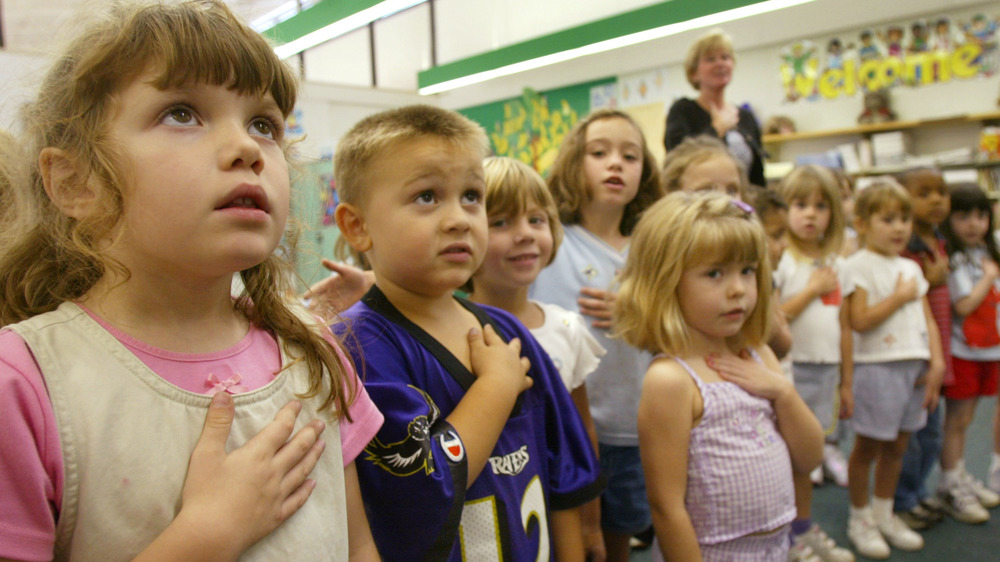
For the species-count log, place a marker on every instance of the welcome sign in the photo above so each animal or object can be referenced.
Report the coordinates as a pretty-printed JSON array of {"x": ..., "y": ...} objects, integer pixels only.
[{"x": 922, "y": 53}]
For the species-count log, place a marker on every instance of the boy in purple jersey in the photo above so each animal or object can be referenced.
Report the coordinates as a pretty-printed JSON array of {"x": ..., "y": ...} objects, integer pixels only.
[{"x": 476, "y": 460}]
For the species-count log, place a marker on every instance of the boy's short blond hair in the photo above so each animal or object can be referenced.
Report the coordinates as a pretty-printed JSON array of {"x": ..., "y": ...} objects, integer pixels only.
[
  {"x": 681, "y": 231},
  {"x": 376, "y": 134},
  {"x": 695, "y": 150},
  {"x": 801, "y": 183},
  {"x": 715, "y": 40}
]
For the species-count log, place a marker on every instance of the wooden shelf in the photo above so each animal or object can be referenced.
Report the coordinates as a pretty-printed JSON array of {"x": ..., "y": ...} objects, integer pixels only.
[{"x": 882, "y": 127}]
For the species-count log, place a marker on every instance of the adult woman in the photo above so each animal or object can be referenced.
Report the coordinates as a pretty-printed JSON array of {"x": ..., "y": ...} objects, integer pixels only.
[{"x": 709, "y": 68}]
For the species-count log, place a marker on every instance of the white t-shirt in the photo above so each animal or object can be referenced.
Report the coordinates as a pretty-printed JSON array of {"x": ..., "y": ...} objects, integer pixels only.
[
  {"x": 816, "y": 330},
  {"x": 565, "y": 338},
  {"x": 903, "y": 335}
]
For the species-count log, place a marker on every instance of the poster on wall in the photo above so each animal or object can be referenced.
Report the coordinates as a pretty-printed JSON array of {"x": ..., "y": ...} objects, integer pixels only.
[
  {"x": 532, "y": 127},
  {"x": 909, "y": 54}
]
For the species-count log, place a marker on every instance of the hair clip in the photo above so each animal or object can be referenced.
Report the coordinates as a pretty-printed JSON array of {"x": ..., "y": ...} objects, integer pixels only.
[{"x": 742, "y": 205}]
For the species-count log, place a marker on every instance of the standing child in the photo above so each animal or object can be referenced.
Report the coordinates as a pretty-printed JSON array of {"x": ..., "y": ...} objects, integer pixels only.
[
  {"x": 809, "y": 540},
  {"x": 704, "y": 164},
  {"x": 720, "y": 428},
  {"x": 604, "y": 177},
  {"x": 475, "y": 460},
  {"x": 160, "y": 172},
  {"x": 773, "y": 213},
  {"x": 927, "y": 247},
  {"x": 897, "y": 364},
  {"x": 809, "y": 280},
  {"x": 974, "y": 286},
  {"x": 524, "y": 236}
]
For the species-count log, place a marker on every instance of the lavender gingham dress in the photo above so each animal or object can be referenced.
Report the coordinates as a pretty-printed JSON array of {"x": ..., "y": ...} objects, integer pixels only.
[{"x": 739, "y": 472}]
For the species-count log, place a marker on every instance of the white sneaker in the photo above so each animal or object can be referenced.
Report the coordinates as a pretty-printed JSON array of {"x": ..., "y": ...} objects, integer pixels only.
[
  {"x": 987, "y": 497},
  {"x": 834, "y": 464},
  {"x": 899, "y": 535},
  {"x": 959, "y": 502},
  {"x": 866, "y": 538},
  {"x": 817, "y": 476},
  {"x": 823, "y": 547},
  {"x": 994, "y": 478},
  {"x": 800, "y": 552}
]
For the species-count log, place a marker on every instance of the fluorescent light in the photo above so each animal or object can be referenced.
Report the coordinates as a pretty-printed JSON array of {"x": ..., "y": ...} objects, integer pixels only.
[
  {"x": 280, "y": 14},
  {"x": 610, "y": 44},
  {"x": 346, "y": 25}
]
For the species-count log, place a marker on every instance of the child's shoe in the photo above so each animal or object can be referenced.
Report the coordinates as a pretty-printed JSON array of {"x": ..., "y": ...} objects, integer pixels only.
[
  {"x": 994, "y": 478},
  {"x": 800, "y": 552},
  {"x": 834, "y": 464},
  {"x": 987, "y": 497},
  {"x": 917, "y": 518},
  {"x": 961, "y": 503},
  {"x": 817, "y": 476},
  {"x": 934, "y": 507},
  {"x": 822, "y": 546},
  {"x": 899, "y": 535},
  {"x": 865, "y": 536}
]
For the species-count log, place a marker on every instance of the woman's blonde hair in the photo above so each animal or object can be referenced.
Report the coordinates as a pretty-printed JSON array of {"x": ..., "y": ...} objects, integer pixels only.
[
  {"x": 713, "y": 41},
  {"x": 681, "y": 231},
  {"x": 803, "y": 182},
  {"x": 568, "y": 181},
  {"x": 512, "y": 185},
  {"x": 695, "y": 150},
  {"x": 49, "y": 258}
]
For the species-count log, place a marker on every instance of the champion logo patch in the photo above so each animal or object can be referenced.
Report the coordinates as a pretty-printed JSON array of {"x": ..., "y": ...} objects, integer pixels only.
[{"x": 452, "y": 446}]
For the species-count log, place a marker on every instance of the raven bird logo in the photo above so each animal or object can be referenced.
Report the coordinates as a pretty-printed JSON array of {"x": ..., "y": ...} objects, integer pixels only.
[{"x": 413, "y": 453}]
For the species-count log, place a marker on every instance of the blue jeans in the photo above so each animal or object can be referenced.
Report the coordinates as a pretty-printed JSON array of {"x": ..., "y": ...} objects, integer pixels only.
[{"x": 922, "y": 453}]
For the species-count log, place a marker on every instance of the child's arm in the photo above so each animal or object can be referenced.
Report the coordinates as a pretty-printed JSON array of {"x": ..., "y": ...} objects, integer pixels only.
[
  {"x": 969, "y": 303},
  {"x": 796, "y": 423},
  {"x": 481, "y": 414},
  {"x": 666, "y": 416},
  {"x": 935, "y": 368},
  {"x": 846, "y": 365},
  {"x": 935, "y": 267},
  {"x": 232, "y": 500},
  {"x": 361, "y": 545},
  {"x": 821, "y": 281},
  {"x": 864, "y": 318},
  {"x": 590, "y": 513},
  {"x": 566, "y": 534},
  {"x": 781, "y": 335}
]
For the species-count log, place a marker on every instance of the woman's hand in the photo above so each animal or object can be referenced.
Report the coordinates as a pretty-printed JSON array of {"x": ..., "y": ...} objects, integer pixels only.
[{"x": 724, "y": 118}]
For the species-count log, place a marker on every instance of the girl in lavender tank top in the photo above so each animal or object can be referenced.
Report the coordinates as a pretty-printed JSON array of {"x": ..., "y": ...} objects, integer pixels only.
[{"x": 721, "y": 430}]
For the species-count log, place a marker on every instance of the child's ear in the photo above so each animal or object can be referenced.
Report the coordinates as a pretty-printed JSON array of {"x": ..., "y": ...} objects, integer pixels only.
[
  {"x": 352, "y": 226},
  {"x": 65, "y": 183}
]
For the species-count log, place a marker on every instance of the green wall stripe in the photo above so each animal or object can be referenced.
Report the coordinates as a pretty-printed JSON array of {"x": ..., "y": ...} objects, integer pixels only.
[
  {"x": 316, "y": 17},
  {"x": 642, "y": 19}
]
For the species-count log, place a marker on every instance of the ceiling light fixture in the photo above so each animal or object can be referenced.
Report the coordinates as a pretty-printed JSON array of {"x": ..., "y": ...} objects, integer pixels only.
[
  {"x": 345, "y": 25},
  {"x": 610, "y": 44}
]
